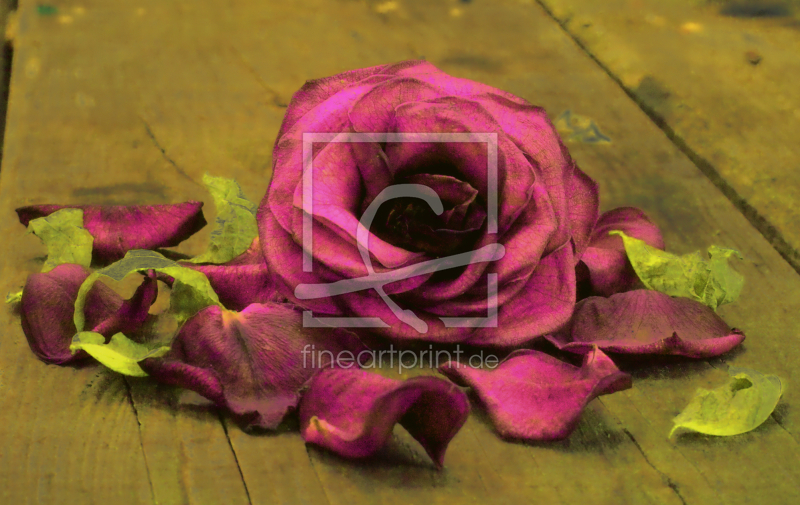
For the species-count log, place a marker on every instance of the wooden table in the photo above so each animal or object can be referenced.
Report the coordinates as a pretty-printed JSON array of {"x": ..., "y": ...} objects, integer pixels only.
[{"x": 116, "y": 102}]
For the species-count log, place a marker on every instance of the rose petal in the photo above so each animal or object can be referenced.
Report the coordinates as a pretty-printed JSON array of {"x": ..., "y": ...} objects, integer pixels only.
[
  {"x": 48, "y": 304},
  {"x": 573, "y": 194},
  {"x": 448, "y": 85},
  {"x": 134, "y": 311},
  {"x": 541, "y": 304},
  {"x": 584, "y": 201},
  {"x": 241, "y": 281},
  {"x": 610, "y": 271},
  {"x": 533, "y": 396},
  {"x": 352, "y": 412},
  {"x": 328, "y": 116},
  {"x": 252, "y": 362},
  {"x": 374, "y": 111},
  {"x": 315, "y": 92},
  {"x": 647, "y": 322},
  {"x": 453, "y": 192},
  {"x": 238, "y": 286},
  {"x": 120, "y": 228},
  {"x": 336, "y": 200}
]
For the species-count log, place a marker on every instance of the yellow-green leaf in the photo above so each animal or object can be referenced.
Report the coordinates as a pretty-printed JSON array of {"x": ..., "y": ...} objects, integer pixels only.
[
  {"x": 121, "y": 354},
  {"x": 712, "y": 282},
  {"x": 14, "y": 297},
  {"x": 725, "y": 283},
  {"x": 737, "y": 407},
  {"x": 66, "y": 239},
  {"x": 235, "y": 227},
  {"x": 190, "y": 292}
]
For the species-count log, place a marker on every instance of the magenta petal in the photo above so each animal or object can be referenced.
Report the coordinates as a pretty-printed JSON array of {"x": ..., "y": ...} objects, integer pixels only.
[
  {"x": 352, "y": 412},
  {"x": 534, "y": 396},
  {"x": 118, "y": 229},
  {"x": 317, "y": 91},
  {"x": 609, "y": 269},
  {"x": 647, "y": 322},
  {"x": 253, "y": 362},
  {"x": 48, "y": 304},
  {"x": 134, "y": 311},
  {"x": 241, "y": 281},
  {"x": 238, "y": 286}
]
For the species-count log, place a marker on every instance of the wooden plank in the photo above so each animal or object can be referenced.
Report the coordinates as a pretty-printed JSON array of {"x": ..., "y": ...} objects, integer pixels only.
[
  {"x": 131, "y": 104},
  {"x": 188, "y": 453},
  {"x": 721, "y": 79},
  {"x": 276, "y": 467},
  {"x": 79, "y": 131}
]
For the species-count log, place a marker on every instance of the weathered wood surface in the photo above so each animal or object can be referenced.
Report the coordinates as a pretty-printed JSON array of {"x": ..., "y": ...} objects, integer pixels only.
[
  {"x": 720, "y": 76},
  {"x": 114, "y": 102}
]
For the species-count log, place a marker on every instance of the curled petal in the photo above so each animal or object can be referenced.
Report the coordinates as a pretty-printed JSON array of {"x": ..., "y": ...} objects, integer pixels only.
[
  {"x": 133, "y": 311},
  {"x": 352, "y": 412},
  {"x": 647, "y": 322},
  {"x": 533, "y": 396},
  {"x": 253, "y": 362},
  {"x": 120, "y": 228},
  {"x": 610, "y": 271},
  {"x": 48, "y": 304}
]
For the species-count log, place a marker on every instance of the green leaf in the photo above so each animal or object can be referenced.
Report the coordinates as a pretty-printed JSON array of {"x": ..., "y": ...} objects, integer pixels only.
[
  {"x": 712, "y": 282},
  {"x": 121, "y": 354},
  {"x": 14, "y": 297},
  {"x": 190, "y": 292},
  {"x": 737, "y": 407},
  {"x": 235, "y": 227},
  {"x": 66, "y": 239},
  {"x": 725, "y": 283}
]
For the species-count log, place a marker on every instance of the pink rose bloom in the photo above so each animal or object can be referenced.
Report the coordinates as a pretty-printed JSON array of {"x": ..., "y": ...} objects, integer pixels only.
[{"x": 545, "y": 212}]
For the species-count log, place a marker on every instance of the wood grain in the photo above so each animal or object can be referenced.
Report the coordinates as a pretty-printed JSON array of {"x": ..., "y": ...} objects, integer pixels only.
[{"x": 720, "y": 78}]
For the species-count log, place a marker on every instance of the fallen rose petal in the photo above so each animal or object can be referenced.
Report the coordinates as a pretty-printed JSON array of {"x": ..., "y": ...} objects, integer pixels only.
[
  {"x": 133, "y": 311},
  {"x": 241, "y": 281},
  {"x": 48, "y": 305},
  {"x": 238, "y": 286},
  {"x": 647, "y": 322},
  {"x": 191, "y": 290},
  {"x": 352, "y": 412},
  {"x": 610, "y": 271},
  {"x": 534, "y": 396},
  {"x": 118, "y": 229},
  {"x": 253, "y": 362}
]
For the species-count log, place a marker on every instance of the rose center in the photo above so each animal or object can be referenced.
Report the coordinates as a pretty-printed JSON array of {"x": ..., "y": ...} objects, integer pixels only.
[{"x": 410, "y": 223}]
